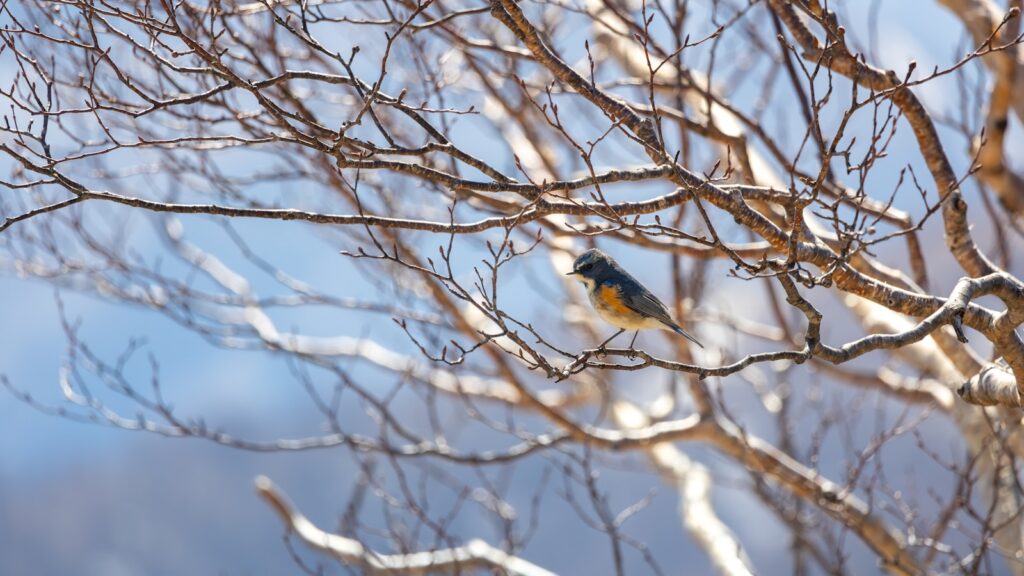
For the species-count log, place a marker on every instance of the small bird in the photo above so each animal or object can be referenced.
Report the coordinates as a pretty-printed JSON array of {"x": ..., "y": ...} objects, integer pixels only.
[{"x": 620, "y": 299}]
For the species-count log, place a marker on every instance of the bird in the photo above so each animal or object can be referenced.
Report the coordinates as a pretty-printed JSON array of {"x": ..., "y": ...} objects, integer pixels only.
[{"x": 620, "y": 299}]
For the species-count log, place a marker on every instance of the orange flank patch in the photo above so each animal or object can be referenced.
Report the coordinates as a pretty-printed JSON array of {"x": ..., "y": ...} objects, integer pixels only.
[{"x": 609, "y": 295}]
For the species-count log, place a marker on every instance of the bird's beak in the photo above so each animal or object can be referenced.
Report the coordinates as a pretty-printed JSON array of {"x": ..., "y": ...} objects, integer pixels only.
[{"x": 571, "y": 273}]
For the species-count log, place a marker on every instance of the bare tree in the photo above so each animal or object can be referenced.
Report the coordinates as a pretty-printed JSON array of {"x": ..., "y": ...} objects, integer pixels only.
[{"x": 755, "y": 162}]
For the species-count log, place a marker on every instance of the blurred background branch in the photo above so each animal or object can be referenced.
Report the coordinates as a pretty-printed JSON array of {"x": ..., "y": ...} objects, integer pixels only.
[{"x": 350, "y": 222}]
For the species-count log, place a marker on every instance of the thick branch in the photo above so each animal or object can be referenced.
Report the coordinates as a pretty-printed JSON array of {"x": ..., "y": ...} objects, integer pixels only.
[
  {"x": 993, "y": 386},
  {"x": 475, "y": 555},
  {"x": 838, "y": 58}
]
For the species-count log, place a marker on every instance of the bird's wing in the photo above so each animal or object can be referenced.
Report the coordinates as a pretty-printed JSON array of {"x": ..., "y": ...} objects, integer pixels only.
[{"x": 640, "y": 300}]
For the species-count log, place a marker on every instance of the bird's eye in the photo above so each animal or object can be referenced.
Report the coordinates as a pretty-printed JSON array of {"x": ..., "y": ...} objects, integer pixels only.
[{"x": 586, "y": 267}]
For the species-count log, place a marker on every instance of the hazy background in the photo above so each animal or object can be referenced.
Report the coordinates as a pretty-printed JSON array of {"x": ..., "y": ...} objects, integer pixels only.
[{"x": 86, "y": 499}]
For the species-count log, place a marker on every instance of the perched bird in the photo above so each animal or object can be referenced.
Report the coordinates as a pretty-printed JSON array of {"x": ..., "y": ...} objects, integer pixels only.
[{"x": 620, "y": 299}]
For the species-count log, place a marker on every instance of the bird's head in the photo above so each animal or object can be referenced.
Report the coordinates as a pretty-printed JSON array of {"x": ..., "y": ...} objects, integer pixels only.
[{"x": 591, "y": 266}]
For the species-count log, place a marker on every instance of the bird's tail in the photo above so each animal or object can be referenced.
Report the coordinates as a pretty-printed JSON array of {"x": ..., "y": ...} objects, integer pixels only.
[{"x": 675, "y": 328}]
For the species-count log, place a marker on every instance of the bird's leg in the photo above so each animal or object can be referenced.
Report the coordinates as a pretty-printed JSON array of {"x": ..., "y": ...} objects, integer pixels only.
[
  {"x": 600, "y": 349},
  {"x": 633, "y": 341}
]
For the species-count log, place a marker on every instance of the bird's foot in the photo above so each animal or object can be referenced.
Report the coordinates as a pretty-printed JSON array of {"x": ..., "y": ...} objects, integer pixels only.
[
  {"x": 601, "y": 350},
  {"x": 632, "y": 351}
]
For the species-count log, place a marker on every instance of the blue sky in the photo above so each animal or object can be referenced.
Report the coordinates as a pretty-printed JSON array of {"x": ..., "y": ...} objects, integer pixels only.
[{"x": 87, "y": 499}]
